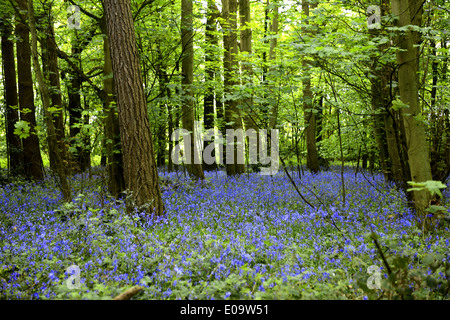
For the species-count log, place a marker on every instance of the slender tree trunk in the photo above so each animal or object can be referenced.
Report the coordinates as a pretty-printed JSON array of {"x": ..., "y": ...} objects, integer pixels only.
[
  {"x": 439, "y": 128},
  {"x": 220, "y": 114},
  {"x": 75, "y": 110},
  {"x": 33, "y": 166},
  {"x": 271, "y": 77},
  {"x": 312, "y": 160},
  {"x": 319, "y": 128},
  {"x": 232, "y": 116},
  {"x": 51, "y": 133},
  {"x": 187, "y": 34},
  {"x": 161, "y": 119},
  {"x": 250, "y": 115},
  {"x": 81, "y": 157},
  {"x": 14, "y": 147},
  {"x": 161, "y": 155},
  {"x": 51, "y": 70},
  {"x": 272, "y": 58},
  {"x": 381, "y": 107},
  {"x": 159, "y": 114},
  {"x": 446, "y": 147},
  {"x": 265, "y": 70},
  {"x": 227, "y": 77},
  {"x": 208, "y": 100},
  {"x": 141, "y": 175},
  {"x": 163, "y": 79},
  {"x": 170, "y": 131},
  {"x": 418, "y": 156},
  {"x": 379, "y": 129}
]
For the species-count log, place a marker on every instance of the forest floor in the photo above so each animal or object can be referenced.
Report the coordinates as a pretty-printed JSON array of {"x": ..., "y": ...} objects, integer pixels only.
[{"x": 245, "y": 237}]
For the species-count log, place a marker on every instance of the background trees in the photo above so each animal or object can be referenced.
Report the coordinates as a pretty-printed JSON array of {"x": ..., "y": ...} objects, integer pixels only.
[{"x": 233, "y": 64}]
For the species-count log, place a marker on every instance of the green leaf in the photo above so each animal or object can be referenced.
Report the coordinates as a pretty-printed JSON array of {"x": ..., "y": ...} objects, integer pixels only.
[
  {"x": 54, "y": 109},
  {"x": 22, "y": 129},
  {"x": 431, "y": 185},
  {"x": 397, "y": 104},
  {"x": 434, "y": 209}
]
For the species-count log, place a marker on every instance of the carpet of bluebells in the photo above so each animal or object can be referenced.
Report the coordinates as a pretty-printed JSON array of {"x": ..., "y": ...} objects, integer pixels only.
[{"x": 244, "y": 237}]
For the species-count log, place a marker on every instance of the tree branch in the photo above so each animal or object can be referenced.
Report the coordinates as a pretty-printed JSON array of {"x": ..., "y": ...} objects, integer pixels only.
[
  {"x": 90, "y": 15},
  {"x": 126, "y": 295},
  {"x": 143, "y": 5}
]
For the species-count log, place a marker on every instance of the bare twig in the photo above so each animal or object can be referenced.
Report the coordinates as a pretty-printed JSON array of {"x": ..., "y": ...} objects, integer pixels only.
[{"x": 386, "y": 264}]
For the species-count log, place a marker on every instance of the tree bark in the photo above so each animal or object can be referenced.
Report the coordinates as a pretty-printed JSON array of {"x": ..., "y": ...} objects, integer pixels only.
[
  {"x": 164, "y": 82},
  {"x": 233, "y": 119},
  {"x": 273, "y": 117},
  {"x": 141, "y": 175},
  {"x": 32, "y": 160},
  {"x": 80, "y": 157},
  {"x": 439, "y": 128},
  {"x": 250, "y": 115},
  {"x": 418, "y": 156},
  {"x": 14, "y": 146},
  {"x": 312, "y": 159},
  {"x": 377, "y": 102},
  {"x": 392, "y": 132},
  {"x": 193, "y": 160},
  {"x": 45, "y": 95},
  {"x": 51, "y": 70},
  {"x": 208, "y": 100},
  {"x": 116, "y": 181}
]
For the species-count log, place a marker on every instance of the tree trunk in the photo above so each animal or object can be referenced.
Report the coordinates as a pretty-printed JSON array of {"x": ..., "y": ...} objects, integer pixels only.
[
  {"x": 193, "y": 160},
  {"x": 392, "y": 136},
  {"x": 141, "y": 175},
  {"x": 265, "y": 70},
  {"x": 75, "y": 114},
  {"x": 170, "y": 131},
  {"x": 14, "y": 147},
  {"x": 160, "y": 119},
  {"x": 81, "y": 157},
  {"x": 319, "y": 126},
  {"x": 378, "y": 123},
  {"x": 51, "y": 70},
  {"x": 250, "y": 115},
  {"x": 116, "y": 182},
  {"x": 208, "y": 100},
  {"x": 273, "y": 118},
  {"x": 233, "y": 118},
  {"x": 439, "y": 128},
  {"x": 312, "y": 160},
  {"x": 54, "y": 150},
  {"x": 418, "y": 156},
  {"x": 164, "y": 84},
  {"x": 161, "y": 154},
  {"x": 446, "y": 117},
  {"x": 33, "y": 166}
]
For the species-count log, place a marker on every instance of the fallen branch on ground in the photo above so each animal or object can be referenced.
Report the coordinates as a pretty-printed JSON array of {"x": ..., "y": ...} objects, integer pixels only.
[{"x": 126, "y": 295}]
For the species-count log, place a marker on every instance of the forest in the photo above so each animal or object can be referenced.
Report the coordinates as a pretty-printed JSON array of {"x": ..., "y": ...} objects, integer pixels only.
[{"x": 224, "y": 150}]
